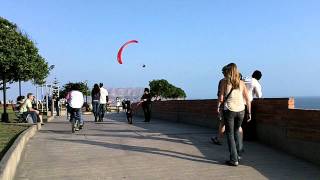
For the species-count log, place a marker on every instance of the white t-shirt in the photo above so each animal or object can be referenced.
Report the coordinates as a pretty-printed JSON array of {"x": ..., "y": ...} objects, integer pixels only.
[
  {"x": 253, "y": 87},
  {"x": 118, "y": 102},
  {"x": 26, "y": 106},
  {"x": 76, "y": 99},
  {"x": 235, "y": 101},
  {"x": 103, "y": 95}
]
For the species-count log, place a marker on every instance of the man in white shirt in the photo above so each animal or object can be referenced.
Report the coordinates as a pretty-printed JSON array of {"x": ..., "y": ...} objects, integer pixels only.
[
  {"x": 253, "y": 85},
  {"x": 76, "y": 102},
  {"x": 103, "y": 101},
  {"x": 254, "y": 91}
]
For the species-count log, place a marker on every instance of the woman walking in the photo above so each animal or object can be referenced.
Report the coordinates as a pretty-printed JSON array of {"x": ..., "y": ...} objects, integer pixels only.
[
  {"x": 95, "y": 94},
  {"x": 234, "y": 96}
]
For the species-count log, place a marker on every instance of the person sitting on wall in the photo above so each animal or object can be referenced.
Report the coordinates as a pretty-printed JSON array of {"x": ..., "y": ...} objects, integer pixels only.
[
  {"x": 27, "y": 109},
  {"x": 20, "y": 101}
]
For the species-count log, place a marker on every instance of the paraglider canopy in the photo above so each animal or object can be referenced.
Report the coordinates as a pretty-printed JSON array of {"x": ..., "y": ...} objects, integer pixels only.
[{"x": 119, "y": 57}]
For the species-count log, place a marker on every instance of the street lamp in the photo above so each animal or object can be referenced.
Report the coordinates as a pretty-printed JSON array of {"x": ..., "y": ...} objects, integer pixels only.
[{"x": 86, "y": 82}]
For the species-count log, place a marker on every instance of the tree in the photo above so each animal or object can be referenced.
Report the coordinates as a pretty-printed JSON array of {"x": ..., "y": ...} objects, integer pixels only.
[
  {"x": 68, "y": 87},
  {"x": 162, "y": 88},
  {"x": 19, "y": 58},
  {"x": 1, "y": 86}
]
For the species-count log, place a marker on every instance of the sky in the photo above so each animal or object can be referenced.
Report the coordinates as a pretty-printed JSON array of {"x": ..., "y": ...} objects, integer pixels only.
[{"x": 186, "y": 42}]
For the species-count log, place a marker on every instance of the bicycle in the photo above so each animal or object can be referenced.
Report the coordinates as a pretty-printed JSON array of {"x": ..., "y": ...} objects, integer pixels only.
[
  {"x": 75, "y": 120},
  {"x": 75, "y": 125}
]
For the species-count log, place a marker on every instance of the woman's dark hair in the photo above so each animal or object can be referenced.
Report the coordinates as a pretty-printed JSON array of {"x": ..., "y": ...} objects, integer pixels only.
[
  {"x": 75, "y": 87},
  {"x": 96, "y": 89},
  {"x": 146, "y": 89},
  {"x": 224, "y": 69},
  {"x": 257, "y": 74},
  {"x": 20, "y": 98}
]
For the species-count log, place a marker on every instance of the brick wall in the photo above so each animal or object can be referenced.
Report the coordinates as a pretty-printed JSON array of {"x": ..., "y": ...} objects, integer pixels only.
[
  {"x": 295, "y": 131},
  {"x": 198, "y": 112},
  {"x": 276, "y": 122}
]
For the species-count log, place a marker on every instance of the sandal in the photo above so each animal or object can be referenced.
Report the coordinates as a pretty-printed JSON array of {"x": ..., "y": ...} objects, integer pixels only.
[{"x": 216, "y": 141}]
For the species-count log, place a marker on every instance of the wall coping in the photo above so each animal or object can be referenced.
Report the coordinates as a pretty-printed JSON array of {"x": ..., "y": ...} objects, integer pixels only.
[{"x": 11, "y": 159}]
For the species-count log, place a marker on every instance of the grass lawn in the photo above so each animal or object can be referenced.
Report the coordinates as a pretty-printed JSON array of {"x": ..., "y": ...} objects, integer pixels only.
[{"x": 8, "y": 133}]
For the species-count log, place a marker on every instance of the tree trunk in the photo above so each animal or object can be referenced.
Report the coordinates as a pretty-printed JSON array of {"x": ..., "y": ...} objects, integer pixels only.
[
  {"x": 4, "y": 117},
  {"x": 19, "y": 87}
]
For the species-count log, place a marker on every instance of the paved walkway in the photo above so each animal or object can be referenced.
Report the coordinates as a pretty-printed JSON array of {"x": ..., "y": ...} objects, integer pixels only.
[{"x": 157, "y": 150}]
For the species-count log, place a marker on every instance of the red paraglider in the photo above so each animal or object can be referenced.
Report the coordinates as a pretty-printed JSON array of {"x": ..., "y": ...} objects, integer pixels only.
[{"x": 119, "y": 57}]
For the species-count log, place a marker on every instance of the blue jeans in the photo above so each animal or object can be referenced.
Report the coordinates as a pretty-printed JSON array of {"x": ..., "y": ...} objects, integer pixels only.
[
  {"x": 33, "y": 115},
  {"x": 233, "y": 121},
  {"x": 102, "y": 110},
  {"x": 95, "y": 108},
  {"x": 76, "y": 114}
]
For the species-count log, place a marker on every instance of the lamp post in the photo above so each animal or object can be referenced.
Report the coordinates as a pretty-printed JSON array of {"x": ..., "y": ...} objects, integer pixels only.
[{"x": 86, "y": 82}]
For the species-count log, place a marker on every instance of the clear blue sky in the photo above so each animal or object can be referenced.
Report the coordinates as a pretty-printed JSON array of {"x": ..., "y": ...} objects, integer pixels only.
[{"x": 184, "y": 41}]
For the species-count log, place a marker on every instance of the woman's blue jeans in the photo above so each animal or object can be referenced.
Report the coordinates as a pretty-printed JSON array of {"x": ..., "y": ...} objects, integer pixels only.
[
  {"x": 233, "y": 121},
  {"x": 95, "y": 108}
]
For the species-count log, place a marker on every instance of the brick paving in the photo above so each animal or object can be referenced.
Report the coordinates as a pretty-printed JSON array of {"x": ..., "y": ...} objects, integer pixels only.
[{"x": 114, "y": 149}]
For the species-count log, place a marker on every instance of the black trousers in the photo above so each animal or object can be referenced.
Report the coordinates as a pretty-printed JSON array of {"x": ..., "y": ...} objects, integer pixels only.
[{"x": 147, "y": 112}]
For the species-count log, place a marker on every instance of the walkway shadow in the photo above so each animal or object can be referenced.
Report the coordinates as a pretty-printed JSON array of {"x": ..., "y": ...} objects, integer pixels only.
[{"x": 148, "y": 150}]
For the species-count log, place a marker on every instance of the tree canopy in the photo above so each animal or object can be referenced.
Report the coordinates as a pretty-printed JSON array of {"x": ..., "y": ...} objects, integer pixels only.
[
  {"x": 162, "y": 88},
  {"x": 68, "y": 87},
  {"x": 19, "y": 57}
]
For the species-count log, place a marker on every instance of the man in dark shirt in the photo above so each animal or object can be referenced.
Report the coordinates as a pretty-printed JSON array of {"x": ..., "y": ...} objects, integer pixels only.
[
  {"x": 146, "y": 104},
  {"x": 57, "y": 104}
]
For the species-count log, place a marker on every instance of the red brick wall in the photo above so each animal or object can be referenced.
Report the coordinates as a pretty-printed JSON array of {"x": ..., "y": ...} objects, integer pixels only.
[
  {"x": 199, "y": 112},
  {"x": 298, "y": 123},
  {"x": 279, "y": 112}
]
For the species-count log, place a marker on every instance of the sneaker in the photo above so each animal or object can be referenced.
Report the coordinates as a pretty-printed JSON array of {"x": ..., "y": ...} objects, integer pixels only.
[
  {"x": 231, "y": 163},
  {"x": 80, "y": 126},
  {"x": 216, "y": 141},
  {"x": 77, "y": 129}
]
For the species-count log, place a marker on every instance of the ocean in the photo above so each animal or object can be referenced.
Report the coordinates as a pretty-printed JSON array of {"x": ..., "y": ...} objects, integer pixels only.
[{"x": 307, "y": 102}]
